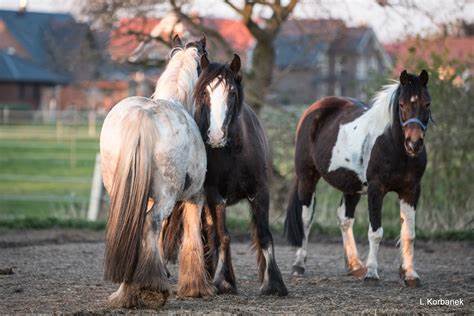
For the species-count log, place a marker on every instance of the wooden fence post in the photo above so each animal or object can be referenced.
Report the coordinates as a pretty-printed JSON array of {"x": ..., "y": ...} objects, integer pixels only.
[{"x": 96, "y": 192}]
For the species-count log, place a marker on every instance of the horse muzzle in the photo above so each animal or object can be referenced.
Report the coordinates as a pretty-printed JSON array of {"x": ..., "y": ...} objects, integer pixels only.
[
  {"x": 413, "y": 140},
  {"x": 414, "y": 148},
  {"x": 216, "y": 139}
]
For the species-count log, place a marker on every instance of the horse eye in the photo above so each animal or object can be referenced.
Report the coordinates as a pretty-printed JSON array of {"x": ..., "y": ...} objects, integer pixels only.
[{"x": 428, "y": 105}]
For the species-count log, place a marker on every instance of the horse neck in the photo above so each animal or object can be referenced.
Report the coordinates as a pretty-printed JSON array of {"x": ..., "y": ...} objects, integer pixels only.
[{"x": 176, "y": 83}]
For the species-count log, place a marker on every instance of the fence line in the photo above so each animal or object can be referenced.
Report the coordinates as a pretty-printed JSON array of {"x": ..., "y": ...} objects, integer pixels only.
[
  {"x": 44, "y": 198},
  {"x": 52, "y": 179}
]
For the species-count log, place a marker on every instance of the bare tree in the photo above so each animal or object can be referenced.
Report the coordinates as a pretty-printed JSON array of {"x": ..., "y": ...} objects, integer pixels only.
[{"x": 106, "y": 13}]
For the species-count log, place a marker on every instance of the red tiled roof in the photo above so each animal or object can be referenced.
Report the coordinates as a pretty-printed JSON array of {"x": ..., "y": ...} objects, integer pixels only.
[
  {"x": 234, "y": 31},
  {"x": 122, "y": 44},
  {"x": 459, "y": 48}
]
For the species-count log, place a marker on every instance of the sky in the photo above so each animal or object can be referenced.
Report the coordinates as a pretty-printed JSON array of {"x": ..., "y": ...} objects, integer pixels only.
[{"x": 389, "y": 25}]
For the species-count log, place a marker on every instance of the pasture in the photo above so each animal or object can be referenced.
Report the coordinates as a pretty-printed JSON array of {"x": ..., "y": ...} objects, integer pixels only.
[{"x": 45, "y": 171}]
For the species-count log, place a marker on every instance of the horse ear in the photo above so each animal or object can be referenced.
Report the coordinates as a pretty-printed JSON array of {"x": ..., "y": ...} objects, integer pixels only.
[
  {"x": 203, "y": 41},
  {"x": 404, "y": 77},
  {"x": 204, "y": 61},
  {"x": 423, "y": 77},
  {"x": 235, "y": 64},
  {"x": 176, "y": 41}
]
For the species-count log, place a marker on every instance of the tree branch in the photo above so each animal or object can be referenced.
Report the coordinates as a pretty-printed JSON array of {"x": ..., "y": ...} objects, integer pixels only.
[{"x": 202, "y": 28}]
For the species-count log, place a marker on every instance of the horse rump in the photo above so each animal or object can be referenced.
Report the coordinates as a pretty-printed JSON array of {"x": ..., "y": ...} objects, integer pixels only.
[{"x": 293, "y": 227}]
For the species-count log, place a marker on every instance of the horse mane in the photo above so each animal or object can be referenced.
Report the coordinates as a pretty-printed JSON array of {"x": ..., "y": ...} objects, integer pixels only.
[
  {"x": 177, "y": 82},
  {"x": 384, "y": 101}
]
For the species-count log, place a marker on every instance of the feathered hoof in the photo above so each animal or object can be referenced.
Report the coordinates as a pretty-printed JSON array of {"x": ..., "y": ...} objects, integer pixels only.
[
  {"x": 358, "y": 272},
  {"x": 297, "y": 271},
  {"x": 411, "y": 282},
  {"x": 371, "y": 278},
  {"x": 204, "y": 290},
  {"x": 123, "y": 299},
  {"x": 153, "y": 299},
  {"x": 274, "y": 288},
  {"x": 224, "y": 287}
]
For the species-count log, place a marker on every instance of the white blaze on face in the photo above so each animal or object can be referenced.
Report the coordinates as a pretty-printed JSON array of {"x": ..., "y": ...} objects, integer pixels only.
[{"x": 218, "y": 94}]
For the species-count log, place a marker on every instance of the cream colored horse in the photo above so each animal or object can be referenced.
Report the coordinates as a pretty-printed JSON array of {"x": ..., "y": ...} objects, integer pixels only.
[{"x": 153, "y": 157}]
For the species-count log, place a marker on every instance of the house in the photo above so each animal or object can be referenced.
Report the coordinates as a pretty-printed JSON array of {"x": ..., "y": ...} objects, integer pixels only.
[
  {"x": 317, "y": 58},
  {"x": 314, "y": 58},
  {"x": 39, "y": 53}
]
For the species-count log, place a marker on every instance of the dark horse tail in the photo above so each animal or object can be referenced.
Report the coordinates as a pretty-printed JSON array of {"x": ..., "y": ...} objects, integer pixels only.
[
  {"x": 128, "y": 200},
  {"x": 294, "y": 231}
]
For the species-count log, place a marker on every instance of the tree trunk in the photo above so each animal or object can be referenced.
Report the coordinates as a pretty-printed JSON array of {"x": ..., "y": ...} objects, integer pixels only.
[{"x": 259, "y": 78}]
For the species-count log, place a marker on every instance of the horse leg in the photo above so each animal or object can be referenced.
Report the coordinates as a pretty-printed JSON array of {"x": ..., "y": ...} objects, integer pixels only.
[
  {"x": 224, "y": 278},
  {"x": 408, "y": 203},
  {"x": 193, "y": 278},
  {"x": 150, "y": 286},
  {"x": 307, "y": 196},
  {"x": 345, "y": 213},
  {"x": 269, "y": 273},
  {"x": 210, "y": 245},
  {"x": 375, "y": 233}
]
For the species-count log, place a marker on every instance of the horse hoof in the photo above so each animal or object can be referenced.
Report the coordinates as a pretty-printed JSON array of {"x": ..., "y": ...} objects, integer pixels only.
[
  {"x": 371, "y": 278},
  {"x": 409, "y": 281},
  {"x": 153, "y": 299},
  {"x": 203, "y": 291},
  {"x": 412, "y": 283},
  {"x": 278, "y": 289},
  {"x": 371, "y": 281},
  {"x": 224, "y": 287},
  {"x": 359, "y": 272},
  {"x": 297, "y": 271},
  {"x": 118, "y": 300}
]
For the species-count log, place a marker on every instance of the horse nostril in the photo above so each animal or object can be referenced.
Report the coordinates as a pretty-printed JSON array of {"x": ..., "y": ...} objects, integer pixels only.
[{"x": 418, "y": 145}]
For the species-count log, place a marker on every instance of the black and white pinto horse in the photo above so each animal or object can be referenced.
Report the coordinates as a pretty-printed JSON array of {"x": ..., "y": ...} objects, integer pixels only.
[
  {"x": 153, "y": 157},
  {"x": 238, "y": 169},
  {"x": 359, "y": 149}
]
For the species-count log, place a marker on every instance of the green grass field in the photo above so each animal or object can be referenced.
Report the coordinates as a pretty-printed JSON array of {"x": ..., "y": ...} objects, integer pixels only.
[{"x": 45, "y": 170}]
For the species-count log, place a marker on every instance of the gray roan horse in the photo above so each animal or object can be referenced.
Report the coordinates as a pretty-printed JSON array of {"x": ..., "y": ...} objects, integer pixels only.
[
  {"x": 153, "y": 158},
  {"x": 359, "y": 149}
]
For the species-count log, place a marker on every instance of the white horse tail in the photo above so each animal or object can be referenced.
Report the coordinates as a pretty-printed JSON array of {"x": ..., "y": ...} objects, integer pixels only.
[{"x": 129, "y": 195}]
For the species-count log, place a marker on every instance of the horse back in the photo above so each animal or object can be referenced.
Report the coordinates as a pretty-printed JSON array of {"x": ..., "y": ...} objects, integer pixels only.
[{"x": 319, "y": 125}]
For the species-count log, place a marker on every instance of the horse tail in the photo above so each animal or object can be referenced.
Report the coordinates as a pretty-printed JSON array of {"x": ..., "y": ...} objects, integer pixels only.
[
  {"x": 294, "y": 231},
  {"x": 129, "y": 196}
]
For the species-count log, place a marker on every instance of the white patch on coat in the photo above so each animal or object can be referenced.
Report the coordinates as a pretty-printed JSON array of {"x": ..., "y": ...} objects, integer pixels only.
[
  {"x": 413, "y": 98},
  {"x": 356, "y": 139},
  {"x": 268, "y": 254},
  {"x": 176, "y": 83},
  {"x": 350, "y": 247},
  {"x": 308, "y": 218},
  {"x": 218, "y": 94},
  {"x": 374, "y": 241},
  {"x": 407, "y": 238}
]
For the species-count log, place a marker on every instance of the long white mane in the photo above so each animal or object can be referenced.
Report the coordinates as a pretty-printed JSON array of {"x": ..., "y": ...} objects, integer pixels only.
[
  {"x": 382, "y": 102},
  {"x": 177, "y": 82}
]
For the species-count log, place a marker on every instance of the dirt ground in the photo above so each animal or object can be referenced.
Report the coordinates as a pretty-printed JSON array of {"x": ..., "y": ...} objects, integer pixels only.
[{"x": 61, "y": 271}]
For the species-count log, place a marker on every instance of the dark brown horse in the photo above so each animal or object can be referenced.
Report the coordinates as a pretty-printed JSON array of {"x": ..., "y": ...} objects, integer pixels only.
[
  {"x": 360, "y": 149},
  {"x": 238, "y": 169}
]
